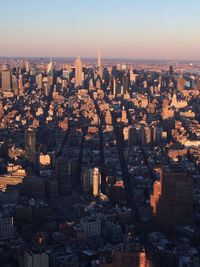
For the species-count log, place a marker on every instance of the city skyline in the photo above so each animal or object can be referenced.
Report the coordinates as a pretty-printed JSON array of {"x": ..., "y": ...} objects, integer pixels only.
[{"x": 144, "y": 29}]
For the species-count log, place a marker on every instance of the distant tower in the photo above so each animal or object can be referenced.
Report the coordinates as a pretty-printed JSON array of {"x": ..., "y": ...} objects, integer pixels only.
[
  {"x": 6, "y": 78},
  {"x": 171, "y": 71},
  {"x": 27, "y": 66},
  {"x": 50, "y": 68},
  {"x": 39, "y": 81},
  {"x": 114, "y": 87},
  {"x": 30, "y": 144},
  {"x": 20, "y": 85},
  {"x": 99, "y": 59},
  {"x": 78, "y": 72}
]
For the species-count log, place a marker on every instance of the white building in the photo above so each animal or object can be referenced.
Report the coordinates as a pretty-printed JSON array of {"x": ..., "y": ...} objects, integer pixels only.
[
  {"x": 36, "y": 259},
  {"x": 91, "y": 227}
]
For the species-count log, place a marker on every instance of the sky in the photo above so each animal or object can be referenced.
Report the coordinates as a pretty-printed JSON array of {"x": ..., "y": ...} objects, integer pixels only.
[{"x": 149, "y": 29}]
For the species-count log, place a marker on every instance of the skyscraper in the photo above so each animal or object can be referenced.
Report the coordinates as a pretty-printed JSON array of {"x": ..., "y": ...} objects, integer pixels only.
[
  {"x": 78, "y": 72},
  {"x": 6, "y": 78},
  {"x": 63, "y": 175},
  {"x": 99, "y": 59},
  {"x": 21, "y": 86},
  {"x": 30, "y": 143},
  {"x": 39, "y": 81},
  {"x": 172, "y": 200},
  {"x": 96, "y": 181}
]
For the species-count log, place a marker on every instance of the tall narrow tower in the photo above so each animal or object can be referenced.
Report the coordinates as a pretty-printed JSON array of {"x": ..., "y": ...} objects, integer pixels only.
[
  {"x": 6, "y": 78},
  {"x": 78, "y": 72},
  {"x": 30, "y": 144},
  {"x": 99, "y": 59},
  {"x": 96, "y": 181}
]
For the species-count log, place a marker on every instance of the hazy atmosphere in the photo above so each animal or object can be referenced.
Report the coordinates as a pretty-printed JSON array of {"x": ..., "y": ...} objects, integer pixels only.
[{"x": 134, "y": 29}]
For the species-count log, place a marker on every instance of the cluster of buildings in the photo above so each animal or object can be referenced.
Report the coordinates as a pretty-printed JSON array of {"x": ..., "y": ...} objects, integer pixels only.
[{"x": 99, "y": 164}]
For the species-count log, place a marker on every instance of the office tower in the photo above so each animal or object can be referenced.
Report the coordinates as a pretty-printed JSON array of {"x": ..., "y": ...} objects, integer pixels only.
[
  {"x": 157, "y": 134},
  {"x": 27, "y": 66},
  {"x": 146, "y": 136},
  {"x": 86, "y": 180},
  {"x": 125, "y": 85},
  {"x": 50, "y": 68},
  {"x": 174, "y": 206},
  {"x": 126, "y": 133},
  {"x": 6, "y": 78},
  {"x": 124, "y": 116},
  {"x": 39, "y": 81},
  {"x": 99, "y": 59},
  {"x": 78, "y": 72},
  {"x": 96, "y": 178},
  {"x": 49, "y": 84},
  {"x": 155, "y": 196},
  {"x": 133, "y": 76},
  {"x": 135, "y": 136},
  {"x": 30, "y": 144},
  {"x": 20, "y": 85},
  {"x": 15, "y": 84},
  {"x": 63, "y": 175},
  {"x": 114, "y": 87}
]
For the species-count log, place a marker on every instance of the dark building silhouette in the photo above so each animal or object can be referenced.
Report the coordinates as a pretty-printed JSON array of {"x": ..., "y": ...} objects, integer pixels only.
[{"x": 172, "y": 201}]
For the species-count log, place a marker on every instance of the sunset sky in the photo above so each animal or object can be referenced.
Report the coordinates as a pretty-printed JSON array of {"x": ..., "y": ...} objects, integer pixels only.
[{"x": 122, "y": 29}]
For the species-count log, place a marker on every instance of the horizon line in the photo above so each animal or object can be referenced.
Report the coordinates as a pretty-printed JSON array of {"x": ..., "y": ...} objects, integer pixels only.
[{"x": 103, "y": 58}]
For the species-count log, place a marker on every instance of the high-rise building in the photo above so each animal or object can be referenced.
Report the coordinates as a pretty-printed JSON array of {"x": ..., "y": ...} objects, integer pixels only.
[
  {"x": 155, "y": 196},
  {"x": 96, "y": 178},
  {"x": 15, "y": 84},
  {"x": 21, "y": 86},
  {"x": 135, "y": 136},
  {"x": 114, "y": 87},
  {"x": 30, "y": 144},
  {"x": 125, "y": 84},
  {"x": 99, "y": 59},
  {"x": 78, "y": 72},
  {"x": 124, "y": 116},
  {"x": 172, "y": 200},
  {"x": 50, "y": 68},
  {"x": 86, "y": 180},
  {"x": 27, "y": 66},
  {"x": 146, "y": 136},
  {"x": 63, "y": 175},
  {"x": 6, "y": 78},
  {"x": 39, "y": 81}
]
